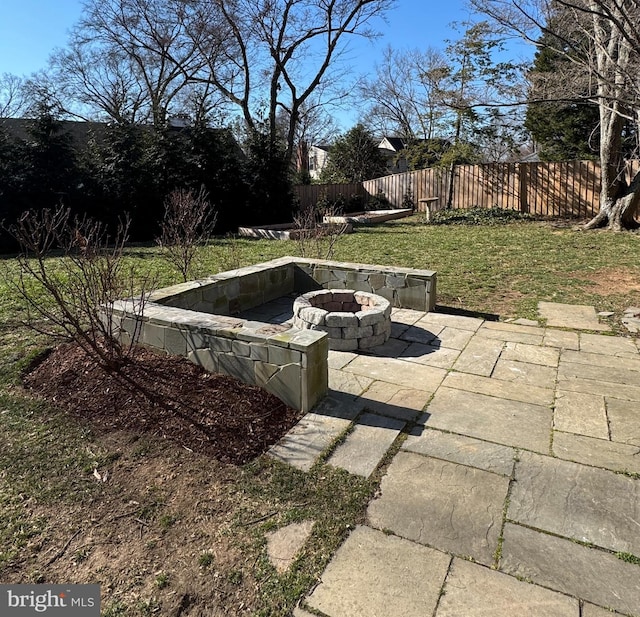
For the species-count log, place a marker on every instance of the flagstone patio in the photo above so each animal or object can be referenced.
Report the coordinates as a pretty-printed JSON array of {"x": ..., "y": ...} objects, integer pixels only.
[{"x": 514, "y": 485}]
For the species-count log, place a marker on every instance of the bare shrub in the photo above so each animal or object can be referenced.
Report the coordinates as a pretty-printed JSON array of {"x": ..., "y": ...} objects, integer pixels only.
[
  {"x": 71, "y": 297},
  {"x": 187, "y": 224},
  {"x": 231, "y": 258},
  {"x": 314, "y": 238}
]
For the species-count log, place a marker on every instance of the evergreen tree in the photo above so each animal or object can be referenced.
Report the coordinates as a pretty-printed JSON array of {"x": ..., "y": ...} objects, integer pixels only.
[
  {"x": 563, "y": 130},
  {"x": 354, "y": 157},
  {"x": 51, "y": 170}
]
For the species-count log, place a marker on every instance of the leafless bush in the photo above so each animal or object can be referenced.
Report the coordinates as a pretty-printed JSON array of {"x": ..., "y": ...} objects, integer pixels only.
[
  {"x": 231, "y": 258},
  {"x": 316, "y": 239},
  {"x": 188, "y": 223},
  {"x": 71, "y": 297}
]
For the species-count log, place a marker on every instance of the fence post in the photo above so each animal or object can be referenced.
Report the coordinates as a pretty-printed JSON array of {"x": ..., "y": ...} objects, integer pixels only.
[{"x": 524, "y": 188}]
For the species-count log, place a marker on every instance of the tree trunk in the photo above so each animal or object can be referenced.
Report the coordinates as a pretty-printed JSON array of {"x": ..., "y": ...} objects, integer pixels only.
[
  {"x": 619, "y": 200},
  {"x": 618, "y": 213}
]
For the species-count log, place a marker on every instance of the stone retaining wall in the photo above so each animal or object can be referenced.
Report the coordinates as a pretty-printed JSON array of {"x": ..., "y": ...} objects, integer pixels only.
[
  {"x": 197, "y": 320},
  {"x": 290, "y": 363},
  {"x": 403, "y": 287}
]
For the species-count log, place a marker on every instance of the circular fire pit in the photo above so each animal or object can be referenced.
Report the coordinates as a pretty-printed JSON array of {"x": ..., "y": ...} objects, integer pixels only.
[{"x": 352, "y": 319}]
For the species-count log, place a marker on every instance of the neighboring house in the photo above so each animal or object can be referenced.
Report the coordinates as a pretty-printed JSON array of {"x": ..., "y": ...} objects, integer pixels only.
[
  {"x": 317, "y": 160},
  {"x": 392, "y": 148}
]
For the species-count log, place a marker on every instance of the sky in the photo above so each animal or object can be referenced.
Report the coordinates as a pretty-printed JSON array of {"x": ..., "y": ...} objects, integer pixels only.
[{"x": 31, "y": 29}]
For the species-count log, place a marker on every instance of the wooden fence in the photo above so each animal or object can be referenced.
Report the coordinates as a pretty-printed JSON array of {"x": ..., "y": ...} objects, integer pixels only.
[{"x": 551, "y": 189}]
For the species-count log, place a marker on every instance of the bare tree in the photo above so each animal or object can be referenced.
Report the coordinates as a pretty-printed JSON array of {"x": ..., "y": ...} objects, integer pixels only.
[
  {"x": 270, "y": 55},
  {"x": 71, "y": 297},
  {"x": 461, "y": 94},
  {"x": 605, "y": 58},
  {"x": 187, "y": 224},
  {"x": 13, "y": 101},
  {"x": 403, "y": 96},
  {"x": 130, "y": 59},
  {"x": 316, "y": 125},
  {"x": 95, "y": 81}
]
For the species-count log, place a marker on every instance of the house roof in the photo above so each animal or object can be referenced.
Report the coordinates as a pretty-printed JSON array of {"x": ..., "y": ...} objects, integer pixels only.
[
  {"x": 393, "y": 143},
  {"x": 18, "y": 128},
  {"x": 80, "y": 131}
]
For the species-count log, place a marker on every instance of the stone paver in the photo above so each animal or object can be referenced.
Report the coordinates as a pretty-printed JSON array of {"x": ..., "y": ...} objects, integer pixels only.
[
  {"x": 591, "y": 610},
  {"x": 378, "y": 575},
  {"x": 524, "y": 373},
  {"x": 454, "y": 338},
  {"x": 450, "y": 507},
  {"x": 284, "y": 544},
  {"x": 406, "y": 316},
  {"x": 588, "y": 573},
  {"x": 453, "y": 321},
  {"x": 604, "y": 388},
  {"x": 502, "y": 389},
  {"x": 576, "y": 316},
  {"x": 302, "y": 446},
  {"x": 393, "y": 348},
  {"x": 461, "y": 449},
  {"x": 510, "y": 327},
  {"x": 598, "y": 359},
  {"x": 624, "y": 420},
  {"x": 351, "y": 383},
  {"x": 479, "y": 357},
  {"x": 585, "y": 414},
  {"x": 339, "y": 405},
  {"x": 419, "y": 334},
  {"x": 339, "y": 359},
  {"x": 618, "y": 374},
  {"x": 472, "y": 590},
  {"x": 561, "y": 339},
  {"x": 403, "y": 373},
  {"x": 597, "y": 452},
  {"x": 522, "y": 321},
  {"x": 571, "y": 500},
  {"x": 511, "y": 333},
  {"x": 393, "y": 400},
  {"x": 367, "y": 444},
  {"x": 430, "y": 355},
  {"x": 611, "y": 345},
  {"x": 532, "y": 354},
  {"x": 506, "y": 422}
]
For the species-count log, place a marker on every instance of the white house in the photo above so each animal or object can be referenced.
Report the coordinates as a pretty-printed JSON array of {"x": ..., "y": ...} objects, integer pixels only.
[{"x": 317, "y": 160}]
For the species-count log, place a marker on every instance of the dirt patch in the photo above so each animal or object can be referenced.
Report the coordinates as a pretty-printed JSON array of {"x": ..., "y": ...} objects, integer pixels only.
[
  {"x": 159, "y": 538},
  {"x": 608, "y": 281},
  {"x": 166, "y": 397}
]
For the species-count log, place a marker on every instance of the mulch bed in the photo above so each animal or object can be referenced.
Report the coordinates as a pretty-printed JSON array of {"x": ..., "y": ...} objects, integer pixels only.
[{"x": 167, "y": 397}]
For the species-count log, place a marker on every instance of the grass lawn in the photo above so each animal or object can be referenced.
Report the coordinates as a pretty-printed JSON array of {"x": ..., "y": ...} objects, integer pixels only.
[{"x": 170, "y": 532}]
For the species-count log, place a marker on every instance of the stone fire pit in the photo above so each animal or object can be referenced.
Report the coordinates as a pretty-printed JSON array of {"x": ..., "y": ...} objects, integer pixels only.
[{"x": 352, "y": 319}]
